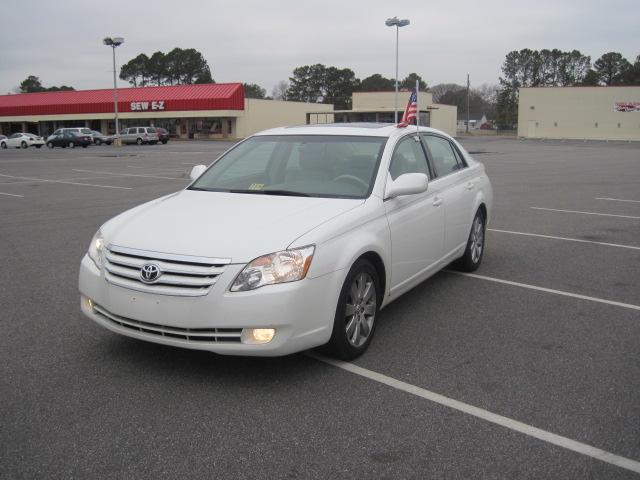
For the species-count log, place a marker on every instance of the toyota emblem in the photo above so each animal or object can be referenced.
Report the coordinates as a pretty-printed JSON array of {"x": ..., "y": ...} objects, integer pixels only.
[{"x": 150, "y": 272}]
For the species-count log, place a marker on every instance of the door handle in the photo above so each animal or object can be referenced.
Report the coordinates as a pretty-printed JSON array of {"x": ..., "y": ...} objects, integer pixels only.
[
  {"x": 470, "y": 186},
  {"x": 437, "y": 202}
]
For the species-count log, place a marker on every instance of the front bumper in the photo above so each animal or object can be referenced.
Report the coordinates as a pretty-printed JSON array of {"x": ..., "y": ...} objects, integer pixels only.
[{"x": 302, "y": 313}]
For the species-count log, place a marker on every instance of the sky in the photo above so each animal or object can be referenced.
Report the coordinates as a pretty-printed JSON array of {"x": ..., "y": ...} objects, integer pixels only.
[{"x": 262, "y": 42}]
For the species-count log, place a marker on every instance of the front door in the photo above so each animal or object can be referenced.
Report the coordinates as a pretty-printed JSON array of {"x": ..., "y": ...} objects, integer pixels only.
[{"x": 416, "y": 221}]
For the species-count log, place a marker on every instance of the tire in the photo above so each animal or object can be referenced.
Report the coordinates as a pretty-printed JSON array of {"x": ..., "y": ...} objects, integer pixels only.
[
  {"x": 348, "y": 339},
  {"x": 49, "y": 144},
  {"x": 164, "y": 142},
  {"x": 85, "y": 146},
  {"x": 3, "y": 146},
  {"x": 472, "y": 258},
  {"x": 139, "y": 141},
  {"x": 72, "y": 145},
  {"x": 97, "y": 141},
  {"x": 24, "y": 145}
]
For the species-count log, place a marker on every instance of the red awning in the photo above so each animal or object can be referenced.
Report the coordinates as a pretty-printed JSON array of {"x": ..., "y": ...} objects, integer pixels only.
[{"x": 210, "y": 96}]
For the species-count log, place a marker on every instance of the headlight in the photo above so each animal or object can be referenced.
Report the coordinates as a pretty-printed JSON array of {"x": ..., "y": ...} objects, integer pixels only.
[
  {"x": 279, "y": 267},
  {"x": 96, "y": 248}
]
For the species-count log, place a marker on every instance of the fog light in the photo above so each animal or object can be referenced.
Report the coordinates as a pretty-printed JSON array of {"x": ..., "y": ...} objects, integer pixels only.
[
  {"x": 257, "y": 336},
  {"x": 87, "y": 303}
]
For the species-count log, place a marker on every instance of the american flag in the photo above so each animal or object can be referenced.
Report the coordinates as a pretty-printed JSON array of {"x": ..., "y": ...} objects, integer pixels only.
[{"x": 412, "y": 108}]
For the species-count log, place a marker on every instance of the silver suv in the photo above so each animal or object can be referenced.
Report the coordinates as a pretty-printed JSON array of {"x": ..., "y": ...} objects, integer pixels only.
[{"x": 139, "y": 135}]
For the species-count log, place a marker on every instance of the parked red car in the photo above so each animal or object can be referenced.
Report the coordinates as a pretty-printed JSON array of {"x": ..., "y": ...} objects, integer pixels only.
[{"x": 163, "y": 135}]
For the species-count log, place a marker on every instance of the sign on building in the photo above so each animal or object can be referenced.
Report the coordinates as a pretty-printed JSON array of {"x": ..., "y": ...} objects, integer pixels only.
[
  {"x": 627, "y": 107},
  {"x": 145, "y": 106}
]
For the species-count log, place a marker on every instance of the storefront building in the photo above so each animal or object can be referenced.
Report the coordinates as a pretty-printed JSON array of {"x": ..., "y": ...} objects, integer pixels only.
[{"x": 217, "y": 110}]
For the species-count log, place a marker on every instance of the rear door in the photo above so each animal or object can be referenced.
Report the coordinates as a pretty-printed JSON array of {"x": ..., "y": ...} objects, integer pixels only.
[{"x": 453, "y": 180}]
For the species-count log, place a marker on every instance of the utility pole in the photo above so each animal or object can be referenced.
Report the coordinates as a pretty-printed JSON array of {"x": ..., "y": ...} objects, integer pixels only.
[{"x": 468, "y": 84}]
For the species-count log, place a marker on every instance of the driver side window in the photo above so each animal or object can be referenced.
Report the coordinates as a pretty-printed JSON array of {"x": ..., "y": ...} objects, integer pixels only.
[{"x": 408, "y": 158}]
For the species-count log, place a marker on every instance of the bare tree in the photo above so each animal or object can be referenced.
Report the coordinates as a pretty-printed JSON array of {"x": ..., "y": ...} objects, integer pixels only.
[{"x": 279, "y": 92}]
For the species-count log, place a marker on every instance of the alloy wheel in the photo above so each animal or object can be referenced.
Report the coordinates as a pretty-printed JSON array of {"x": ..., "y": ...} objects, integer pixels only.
[
  {"x": 360, "y": 309},
  {"x": 477, "y": 239}
]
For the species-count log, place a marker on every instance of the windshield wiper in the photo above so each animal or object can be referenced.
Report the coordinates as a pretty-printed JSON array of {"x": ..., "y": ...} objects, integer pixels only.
[{"x": 288, "y": 193}]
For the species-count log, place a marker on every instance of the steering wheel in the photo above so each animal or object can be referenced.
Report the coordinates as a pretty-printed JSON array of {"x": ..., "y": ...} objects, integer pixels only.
[{"x": 352, "y": 179}]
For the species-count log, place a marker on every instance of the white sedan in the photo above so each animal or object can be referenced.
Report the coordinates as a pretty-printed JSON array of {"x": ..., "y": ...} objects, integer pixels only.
[
  {"x": 294, "y": 238},
  {"x": 22, "y": 140}
]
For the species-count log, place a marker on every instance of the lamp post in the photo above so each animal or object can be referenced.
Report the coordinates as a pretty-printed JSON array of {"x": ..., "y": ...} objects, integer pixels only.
[
  {"x": 114, "y": 42},
  {"x": 394, "y": 22}
]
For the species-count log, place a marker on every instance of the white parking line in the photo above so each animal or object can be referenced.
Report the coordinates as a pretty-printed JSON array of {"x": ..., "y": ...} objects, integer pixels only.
[
  {"x": 579, "y": 240},
  {"x": 65, "y": 182},
  {"x": 583, "y": 213},
  {"x": 11, "y": 195},
  {"x": 127, "y": 174},
  {"x": 548, "y": 290},
  {"x": 617, "y": 200},
  {"x": 486, "y": 415}
]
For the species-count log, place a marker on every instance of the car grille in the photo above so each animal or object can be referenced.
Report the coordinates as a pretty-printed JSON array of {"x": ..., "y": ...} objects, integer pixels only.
[
  {"x": 200, "y": 335},
  {"x": 180, "y": 275}
]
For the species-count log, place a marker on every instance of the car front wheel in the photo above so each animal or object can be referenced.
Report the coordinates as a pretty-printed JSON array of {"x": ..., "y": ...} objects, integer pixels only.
[
  {"x": 3, "y": 145},
  {"x": 472, "y": 257},
  {"x": 139, "y": 141},
  {"x": 356, "y": 312},
  {"x": 72, "y": 145},
  {"x": 24, "y": 145},
  {"x": 49, "y": 144}
]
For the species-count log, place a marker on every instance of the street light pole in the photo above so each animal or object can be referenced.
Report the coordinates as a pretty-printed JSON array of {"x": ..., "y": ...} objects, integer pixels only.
[
  {"x": 394, "y": 22},
  {"x": 113, "y": 43}
]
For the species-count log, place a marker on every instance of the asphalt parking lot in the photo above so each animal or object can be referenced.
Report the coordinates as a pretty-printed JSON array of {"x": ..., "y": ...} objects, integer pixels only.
[{"x": 529, "y": 368}]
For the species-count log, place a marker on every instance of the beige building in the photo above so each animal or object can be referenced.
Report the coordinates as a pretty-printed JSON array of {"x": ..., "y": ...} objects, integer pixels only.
[
  {"x": 595, "y": 113},
  {"x": 379, "y": 107}
]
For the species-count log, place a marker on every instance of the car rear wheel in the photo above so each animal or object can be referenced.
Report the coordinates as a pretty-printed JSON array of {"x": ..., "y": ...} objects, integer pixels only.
[
  {"x": 72, "y": 145},
  {"x": 24, "y": 145},
  {"x": 139, "y": 141},
  {"x": 49, "y": 144},
  {"x": 472, "y": 257},
  {"x": 356, "y": 312}
]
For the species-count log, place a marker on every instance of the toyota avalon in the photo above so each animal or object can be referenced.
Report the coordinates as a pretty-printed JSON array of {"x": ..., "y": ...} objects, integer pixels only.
[{"x": 294, "y": 238}]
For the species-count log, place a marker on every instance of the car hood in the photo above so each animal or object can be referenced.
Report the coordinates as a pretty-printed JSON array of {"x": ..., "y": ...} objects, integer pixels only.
[{"x": 236, "y": 226}]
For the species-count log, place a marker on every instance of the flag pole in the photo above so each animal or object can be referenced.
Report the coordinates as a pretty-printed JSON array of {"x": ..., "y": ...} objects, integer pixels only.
[{"x": 417, "y": 108}]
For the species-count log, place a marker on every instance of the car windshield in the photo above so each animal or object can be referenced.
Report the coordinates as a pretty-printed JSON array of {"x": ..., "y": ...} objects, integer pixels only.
[{"x": 300, "y": 165}]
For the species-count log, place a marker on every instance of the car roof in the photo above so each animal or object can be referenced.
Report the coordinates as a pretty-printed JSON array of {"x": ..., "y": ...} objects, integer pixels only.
[{"x": 356, "y": 129}]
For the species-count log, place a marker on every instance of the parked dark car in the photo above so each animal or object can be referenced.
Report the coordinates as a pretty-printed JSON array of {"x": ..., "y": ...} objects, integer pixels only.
[
  {"x": 163, "y": 135},
  {"x": 99, "y": 138},
  {"x": 69, "y": 139}
]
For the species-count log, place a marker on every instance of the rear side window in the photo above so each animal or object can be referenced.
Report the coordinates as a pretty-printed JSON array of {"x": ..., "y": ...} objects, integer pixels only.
[
  {"x": 151, "y": 130},
  {"x": 85, "y": 131},
  {"x": 444, "y": 158}
]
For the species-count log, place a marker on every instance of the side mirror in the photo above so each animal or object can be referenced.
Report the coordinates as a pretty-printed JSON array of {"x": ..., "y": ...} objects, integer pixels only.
[
  {"x": 197, "y": 171},
  {"x": 406, "y": 184}
]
